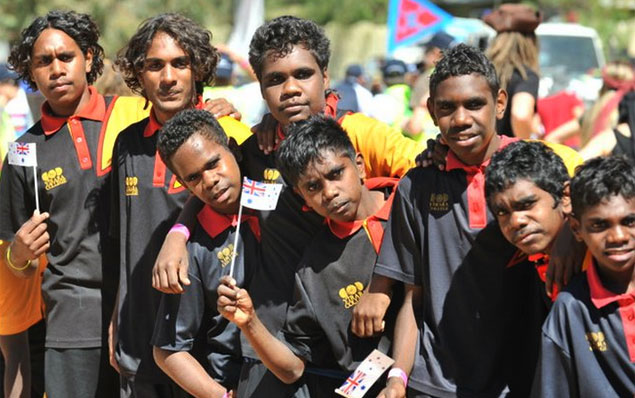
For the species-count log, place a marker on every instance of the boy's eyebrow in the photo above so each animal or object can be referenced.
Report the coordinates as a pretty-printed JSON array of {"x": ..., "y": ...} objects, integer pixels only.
[{"x": 525, "y": 199}]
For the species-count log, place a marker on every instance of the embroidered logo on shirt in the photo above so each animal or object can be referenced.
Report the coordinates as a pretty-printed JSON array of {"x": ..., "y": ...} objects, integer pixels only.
[
  {"x": 439, "y": 202},
  {"x": 596, "y": 341},
  {"x": 53, "y": 178},
  {"x": 225, "y": 255},
  {"x": 351, "y": 294},
  {"x": 132, "y": 186},
  {"x": 271, "y": 175}
]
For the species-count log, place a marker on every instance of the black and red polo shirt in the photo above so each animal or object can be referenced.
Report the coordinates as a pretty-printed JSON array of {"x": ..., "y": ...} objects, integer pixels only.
[
  {"x": 79, "y": 284},
  {"x": 588, "y": 342},
  {"x": 332, "y": 275},
  {"x": 181, "y": 318},
  {"x": 442, "y": 237}
]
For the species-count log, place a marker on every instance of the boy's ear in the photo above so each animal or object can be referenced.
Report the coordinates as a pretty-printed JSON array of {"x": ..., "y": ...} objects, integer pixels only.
[
  {"x": 326, "y": 79},
  {"x": 565, "y": 201},
  {"x": 359, "y": 163},
  {"x": 574, "y": 223},
  {"x": 234, "y": 148},
  {"x": 501, "y": 103},
  {"x": 430, "y": 105},
  {"x": 89, "y": 60}
]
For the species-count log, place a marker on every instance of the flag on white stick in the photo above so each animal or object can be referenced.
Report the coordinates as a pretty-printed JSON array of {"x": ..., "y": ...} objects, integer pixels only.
[
  {"x": 260, "y": 196},
  {"x": 22, "y": 154},
  {"x": 366, "y": 374}
]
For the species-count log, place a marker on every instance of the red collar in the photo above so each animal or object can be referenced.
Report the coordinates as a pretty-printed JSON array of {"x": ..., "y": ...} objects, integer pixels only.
[
  {"x": 95, "y": 109},
  {"x": 154, "y": 125},
  {"x": 453, "y": 162},
  {"x": 215, "y": 223},
  {"x": 330, "y": 109},
  {"x": 372, "y": 224},
  {"x": 601, "y": 296}
]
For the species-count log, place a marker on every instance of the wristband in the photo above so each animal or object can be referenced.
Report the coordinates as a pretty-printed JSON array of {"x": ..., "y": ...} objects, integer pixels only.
[
  {"x": 396, "y": 372},
  {"x": 226, "y": 395},
  {"x": 11, "y": 265},
  {"x": 181, "y": 229}
]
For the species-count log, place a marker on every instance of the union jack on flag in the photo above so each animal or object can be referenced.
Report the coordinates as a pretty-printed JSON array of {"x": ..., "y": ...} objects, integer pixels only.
[
  {"x": 365, "y": 375},
  {"x": 260, "y": 196},
  {"x": 21, "y": 154},
  {"x": 354, "y": 381}
]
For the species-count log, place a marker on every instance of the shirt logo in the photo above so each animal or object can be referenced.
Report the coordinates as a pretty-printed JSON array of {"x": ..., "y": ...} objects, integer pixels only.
[
  {"x": 271, "y": 175},
  {"x": 225, "y": 255},
  {"x": 132, "y": 186},
  {"x": 53, "y": 178},
  {"x": 351, "y": 294},
  {"x": 596, "y": 341},
  {"x": 439, "y": 202}
]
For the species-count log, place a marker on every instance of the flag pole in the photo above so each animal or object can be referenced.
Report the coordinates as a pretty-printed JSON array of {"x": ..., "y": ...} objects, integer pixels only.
[
  {"x": 234, "y": 250},
  {"x": 37, "y": 195}
]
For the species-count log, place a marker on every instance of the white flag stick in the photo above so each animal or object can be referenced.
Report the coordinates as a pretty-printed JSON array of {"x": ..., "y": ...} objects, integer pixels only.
[
  {"x": 37, "y": 195},
  {"x": 240, "y": 213}
]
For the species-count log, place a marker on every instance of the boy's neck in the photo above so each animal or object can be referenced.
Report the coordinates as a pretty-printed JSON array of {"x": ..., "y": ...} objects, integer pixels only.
[
  {"x": 478, "y": 159},
  {"x": 370, "y": 203},
  {"x": 617, "y": 282}
]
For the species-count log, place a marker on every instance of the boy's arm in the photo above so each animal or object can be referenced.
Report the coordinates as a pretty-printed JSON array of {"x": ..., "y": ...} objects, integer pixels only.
[
  {"x": 169, "y": 273},
  {"x": 404, "y": 343},
  {"x": 188, "y": 373},
  {"x": 235, "y": 304},
  {"x": 368, "y": 314},
  {"x": 32, "y": 240}
]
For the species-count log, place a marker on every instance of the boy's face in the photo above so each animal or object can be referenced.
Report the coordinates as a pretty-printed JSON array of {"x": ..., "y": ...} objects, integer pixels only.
[
  {"x": 608, "y": 229},
  {"x": 293, "y": 86},
  {"x": 332, "y": 186},
  {"x": 529, "y": 217},
  {"x": 166, "y": 77},
  {"x": 58, "y": 68},
  {"x": 465, "y": 111},
  {"x": 209, "y": 171}
]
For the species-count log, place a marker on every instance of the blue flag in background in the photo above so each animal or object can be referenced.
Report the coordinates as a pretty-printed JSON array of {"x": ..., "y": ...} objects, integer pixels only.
[{"x": 410, "y": 20}]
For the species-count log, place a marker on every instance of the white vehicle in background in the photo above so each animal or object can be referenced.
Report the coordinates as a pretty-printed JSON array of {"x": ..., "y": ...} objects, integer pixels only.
[{"x": 569, "y": 55}]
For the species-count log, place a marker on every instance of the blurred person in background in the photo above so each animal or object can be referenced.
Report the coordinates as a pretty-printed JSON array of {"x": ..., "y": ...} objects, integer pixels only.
[
  {"x": 514, "y": 53},
  {"x": 14, "y": 101},
  {"x": 393, "y": 105},
  {"x": 354, "y": 96}
]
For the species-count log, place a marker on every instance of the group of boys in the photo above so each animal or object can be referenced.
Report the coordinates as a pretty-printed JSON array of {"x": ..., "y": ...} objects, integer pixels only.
[{"x": 311, "y": 288}]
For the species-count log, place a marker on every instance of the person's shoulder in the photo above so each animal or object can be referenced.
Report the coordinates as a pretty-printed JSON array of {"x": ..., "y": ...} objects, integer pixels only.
[
  {"x": 128, "y": 109},
  {"x": 569, "y": 156},
  {"x": 235, "y": 129},
  {"x": 574, "y": 296}
]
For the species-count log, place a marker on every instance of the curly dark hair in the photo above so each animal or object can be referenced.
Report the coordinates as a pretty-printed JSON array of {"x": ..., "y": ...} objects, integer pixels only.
[
  {"x": 182, "y": 126},
  {"x": 193, "y": 39},
  {"x": 600, "y": 178},
  {"x": 463, "y": 60},
  {"x": 80, "y": 27},
  {"x": 525, "y": 160},
  {"x": 306, "y": 142},
  {"x": 279, "y": 35}
]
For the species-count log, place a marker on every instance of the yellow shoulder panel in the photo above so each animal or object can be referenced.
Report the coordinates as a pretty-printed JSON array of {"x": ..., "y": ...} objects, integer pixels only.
[
  {"x": 235, "y": 129},
  {"x": 569, "y": 156}
]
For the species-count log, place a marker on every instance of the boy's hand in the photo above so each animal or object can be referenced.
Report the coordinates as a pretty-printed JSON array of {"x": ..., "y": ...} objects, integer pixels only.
[
  {"x": 565, "y": 260},
  {"x": 368, "y": 314},
  {"x": 234, "y": 303},
  {"x": 169, "y": 273},
  {"x": 220, "y": 107},
  {"x": 31, "y": 240},
  {"x": 266, "y": 133},
  {"x": 434, "y": 154},
  {"x": 394, "y": 389},
  {"x": 112, "y": 344}
]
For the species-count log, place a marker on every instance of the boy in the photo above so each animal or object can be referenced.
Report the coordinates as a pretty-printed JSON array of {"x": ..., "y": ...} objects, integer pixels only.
[
  {"x": 194, "y": 146},
  {"x": 168, "y": 60},
  {"x": 59, "y": 55},
  {"x": 588, "y": 339},
  {"x": 319, "y": 161},
  {"x": 440, "y": 240}
]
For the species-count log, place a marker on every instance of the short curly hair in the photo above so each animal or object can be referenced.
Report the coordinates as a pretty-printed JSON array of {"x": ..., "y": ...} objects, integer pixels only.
[
  {"x": 191, "y": 37},
  {"x": 464, "y": 60},
  {"x": 182, "y": 126},
  {"x": 281, "y": 34},
  {"x": 80, "y": 27},
  {"x": 526, "y": 160}
]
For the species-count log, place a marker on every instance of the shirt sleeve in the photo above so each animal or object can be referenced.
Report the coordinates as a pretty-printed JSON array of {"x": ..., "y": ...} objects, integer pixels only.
[
  {"x": 554, "y": 372},
  {"x": 16, "y": 199},
  {"x": 302, "y": 332},
  {"x": 400, "y": 253},
  {"x": 114, "y": 231},
  {"x": 529, "y": 85},
  {"x": 387, "y": 153},
  {"x": 180, "y": 316}
]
